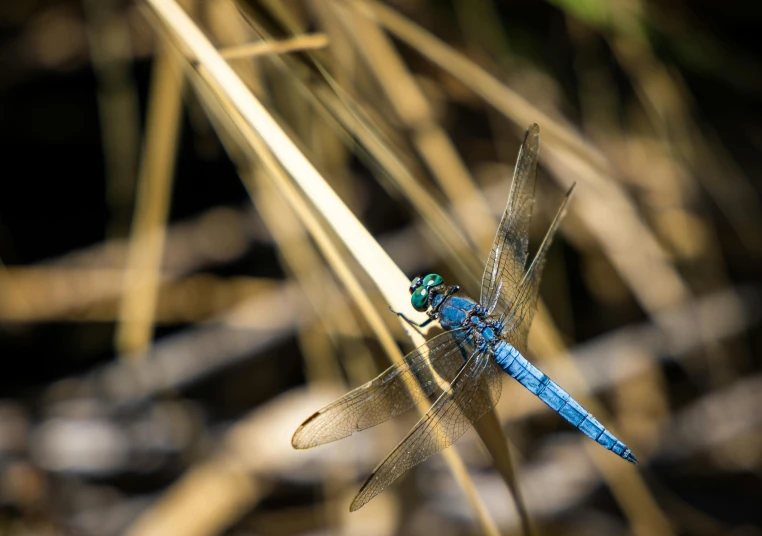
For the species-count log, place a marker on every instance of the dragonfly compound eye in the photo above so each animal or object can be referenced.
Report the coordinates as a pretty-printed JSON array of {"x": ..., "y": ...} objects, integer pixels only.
[
  {"x": 432, "y": 280},
  {"x": 420, "y": 299},
  {"x": 415, "y": 283}
]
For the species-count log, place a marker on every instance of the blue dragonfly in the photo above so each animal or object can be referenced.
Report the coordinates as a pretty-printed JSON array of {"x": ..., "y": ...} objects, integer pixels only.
[{"x": 481, "y": 341}]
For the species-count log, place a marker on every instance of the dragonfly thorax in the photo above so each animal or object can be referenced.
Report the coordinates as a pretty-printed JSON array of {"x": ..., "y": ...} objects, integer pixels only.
[{"x": 486, "y": 331}]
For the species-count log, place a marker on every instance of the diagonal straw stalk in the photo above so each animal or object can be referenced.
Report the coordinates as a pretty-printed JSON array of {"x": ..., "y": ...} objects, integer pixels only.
[
  {"x": 391, "y": 281},
  {"x": 148, "y": 233}
]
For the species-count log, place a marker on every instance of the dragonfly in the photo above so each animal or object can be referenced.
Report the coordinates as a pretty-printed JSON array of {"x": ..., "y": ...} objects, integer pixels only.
[{"x": 481, "y": 341}]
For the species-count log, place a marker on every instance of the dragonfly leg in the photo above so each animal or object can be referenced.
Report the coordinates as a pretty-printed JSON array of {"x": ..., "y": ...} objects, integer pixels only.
[{"x": 414, "y": 324}]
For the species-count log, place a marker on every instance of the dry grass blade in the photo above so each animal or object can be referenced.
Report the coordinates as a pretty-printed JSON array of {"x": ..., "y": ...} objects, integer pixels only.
[
  {"x": 84, "y": 281},
  {"x": 429, "y": 138},
  {"x": 668, "y": 103},
  {"x": 389, "y": 279},
  {"x": 230, "y": 122},
  {"x": 391, "y": 282},
  {"x": 352, "y": 119},
  {"x": 319, "y": 340},
  {"x": 306, "y": 42},
  {"x": 439, "y": 223},
  {"x": 228, "y": 491},
  {"x": 354, "y": 122},
  {"x": 148, "y": 235}
]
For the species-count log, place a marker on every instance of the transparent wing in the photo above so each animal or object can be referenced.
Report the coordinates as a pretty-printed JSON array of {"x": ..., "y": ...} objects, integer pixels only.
[
  {"x": 473, "y": 392},
  {"x": 518, "y": 318},
  {"x": 385, "y": 396},
  {"x": 505, "y": 266}
]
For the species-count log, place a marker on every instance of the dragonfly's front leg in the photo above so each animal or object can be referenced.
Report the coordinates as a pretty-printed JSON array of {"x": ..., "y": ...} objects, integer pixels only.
[{"x": 414, "y": 324}]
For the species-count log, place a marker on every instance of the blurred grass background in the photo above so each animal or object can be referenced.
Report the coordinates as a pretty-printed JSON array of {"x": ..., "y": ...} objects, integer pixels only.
[{"x": 172, "y": 305}]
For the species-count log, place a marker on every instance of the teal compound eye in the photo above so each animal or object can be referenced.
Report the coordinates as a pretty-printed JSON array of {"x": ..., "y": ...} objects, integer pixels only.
[
  {"x": 415, "y": 283},
  {"x": 420, "y": 299},
  {"x": 432, "y": 280}
]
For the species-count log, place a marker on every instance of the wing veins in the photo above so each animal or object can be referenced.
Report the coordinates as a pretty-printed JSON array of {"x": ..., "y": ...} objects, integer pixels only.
[
  {"x": 516, "y": 326},
  {"x": 509, "y": 250},
  {"x": 386, "y": 395},
  {"x": 450, "y": 416}
]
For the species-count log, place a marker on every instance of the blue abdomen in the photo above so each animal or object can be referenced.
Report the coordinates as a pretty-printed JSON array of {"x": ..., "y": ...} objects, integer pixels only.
[{"x": 536, "y": 382}]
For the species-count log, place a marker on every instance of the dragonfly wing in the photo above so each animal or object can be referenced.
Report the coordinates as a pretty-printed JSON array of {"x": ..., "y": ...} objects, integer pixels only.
[
  {"x": 387, "y": 395},
  {"x": 518, "y": 318},
  {"x": 505, "y": 266},
  {"x": 473, "y": 392}
]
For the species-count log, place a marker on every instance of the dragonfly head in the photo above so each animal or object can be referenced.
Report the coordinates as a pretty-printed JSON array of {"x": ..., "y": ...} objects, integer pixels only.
[{"x": 421, "y": 290}]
